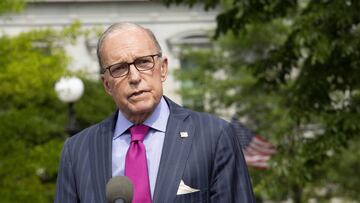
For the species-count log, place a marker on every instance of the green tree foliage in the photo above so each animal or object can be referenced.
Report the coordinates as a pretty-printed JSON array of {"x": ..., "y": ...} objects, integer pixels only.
[
  {"x": 292, "y": 68},
  {"x": 32, "y": 119},
  {"x": 7, "y": 6}
]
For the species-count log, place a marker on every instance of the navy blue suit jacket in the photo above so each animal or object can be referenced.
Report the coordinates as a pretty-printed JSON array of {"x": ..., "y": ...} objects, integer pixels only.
[{"x": 209, "y": 159}]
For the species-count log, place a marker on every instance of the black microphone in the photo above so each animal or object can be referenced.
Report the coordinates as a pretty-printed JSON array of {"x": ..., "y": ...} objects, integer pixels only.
[{"x": 119, "y": 189}]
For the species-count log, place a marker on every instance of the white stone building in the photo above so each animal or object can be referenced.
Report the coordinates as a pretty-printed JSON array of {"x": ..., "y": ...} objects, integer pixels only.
[{"x": 173, "y": 26}]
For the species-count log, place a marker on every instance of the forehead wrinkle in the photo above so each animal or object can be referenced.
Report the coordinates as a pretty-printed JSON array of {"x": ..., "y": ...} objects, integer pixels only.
[{"x": 128, "y": 30}]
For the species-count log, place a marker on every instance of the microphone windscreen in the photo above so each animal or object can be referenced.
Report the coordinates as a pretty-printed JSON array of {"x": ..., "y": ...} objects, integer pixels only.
[{"x": 119, "y": 187}]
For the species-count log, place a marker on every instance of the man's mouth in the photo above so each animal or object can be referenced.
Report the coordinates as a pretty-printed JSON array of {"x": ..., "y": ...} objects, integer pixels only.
[{"x": 138, "y": 93}]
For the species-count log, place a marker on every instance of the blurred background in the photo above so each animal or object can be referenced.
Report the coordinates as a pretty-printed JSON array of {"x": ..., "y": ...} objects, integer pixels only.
[{"x": 285, "y": 73}]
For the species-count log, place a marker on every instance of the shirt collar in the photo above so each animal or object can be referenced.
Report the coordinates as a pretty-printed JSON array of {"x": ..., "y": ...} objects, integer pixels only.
[{"x": 157, "y": 120}]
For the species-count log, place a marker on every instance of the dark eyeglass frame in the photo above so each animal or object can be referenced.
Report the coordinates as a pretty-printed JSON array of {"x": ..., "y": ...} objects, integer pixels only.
[{"x": 132, "y": 63}]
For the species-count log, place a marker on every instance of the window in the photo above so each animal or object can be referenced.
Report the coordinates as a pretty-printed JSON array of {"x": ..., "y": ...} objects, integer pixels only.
[{"x": 180, "y": 45}]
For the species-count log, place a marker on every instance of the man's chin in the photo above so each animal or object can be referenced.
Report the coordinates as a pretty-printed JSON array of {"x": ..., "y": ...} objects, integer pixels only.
[
  {"x": 142, "y": 108},
  {"x": 140, "y": 114}
]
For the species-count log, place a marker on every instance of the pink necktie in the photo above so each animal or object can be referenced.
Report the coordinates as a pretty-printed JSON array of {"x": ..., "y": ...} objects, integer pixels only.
[{"x": 136, "y": 166}]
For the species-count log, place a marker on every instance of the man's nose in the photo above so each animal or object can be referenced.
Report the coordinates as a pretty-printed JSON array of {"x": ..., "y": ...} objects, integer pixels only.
[{"x": 134, "y": 73}]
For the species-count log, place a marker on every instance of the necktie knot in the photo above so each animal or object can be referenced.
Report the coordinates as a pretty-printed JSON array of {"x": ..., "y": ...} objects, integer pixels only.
[{"x": 138, "y": 132}]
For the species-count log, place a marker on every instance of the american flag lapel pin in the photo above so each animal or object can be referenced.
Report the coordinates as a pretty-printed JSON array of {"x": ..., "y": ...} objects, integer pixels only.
[{"x": 184, "y": 134}]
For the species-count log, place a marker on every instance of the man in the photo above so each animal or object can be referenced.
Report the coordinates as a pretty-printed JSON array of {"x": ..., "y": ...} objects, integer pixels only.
[{"x": 185, "y": 156}]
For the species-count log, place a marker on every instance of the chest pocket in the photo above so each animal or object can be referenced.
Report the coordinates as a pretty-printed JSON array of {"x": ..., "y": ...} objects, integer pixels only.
[{"x": 200, "y": 196}]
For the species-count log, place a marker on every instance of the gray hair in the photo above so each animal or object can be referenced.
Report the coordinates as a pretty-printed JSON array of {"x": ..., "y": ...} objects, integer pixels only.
[{"x": 122, "y": 26}]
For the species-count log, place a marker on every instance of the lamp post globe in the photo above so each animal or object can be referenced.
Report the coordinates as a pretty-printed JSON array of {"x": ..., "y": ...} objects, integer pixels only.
[{"x": 69, "y": 90}]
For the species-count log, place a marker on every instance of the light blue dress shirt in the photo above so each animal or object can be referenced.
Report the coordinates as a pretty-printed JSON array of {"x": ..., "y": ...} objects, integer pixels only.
[{"x": 153, "y": 142}]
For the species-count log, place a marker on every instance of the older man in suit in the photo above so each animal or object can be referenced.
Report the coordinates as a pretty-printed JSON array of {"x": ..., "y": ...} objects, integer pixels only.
[{"x": 170, "y": 154}]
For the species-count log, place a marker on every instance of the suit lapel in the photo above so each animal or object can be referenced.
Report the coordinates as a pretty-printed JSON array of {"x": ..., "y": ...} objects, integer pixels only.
[
  {"x": 174, "y": 154},
  {"x": 100, "y": 149}
]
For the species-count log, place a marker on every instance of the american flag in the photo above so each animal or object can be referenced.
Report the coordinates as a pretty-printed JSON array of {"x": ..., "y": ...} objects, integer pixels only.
[{"x": 257, "y": 150}]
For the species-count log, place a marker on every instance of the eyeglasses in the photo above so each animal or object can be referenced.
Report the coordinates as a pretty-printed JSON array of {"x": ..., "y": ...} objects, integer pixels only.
[{"x": 142, "y": 63}]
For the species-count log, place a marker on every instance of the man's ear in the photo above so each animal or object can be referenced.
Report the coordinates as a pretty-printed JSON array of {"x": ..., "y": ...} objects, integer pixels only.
[
  {"x": 106, "y": 85},
  {"x": 164, "y": 69}
]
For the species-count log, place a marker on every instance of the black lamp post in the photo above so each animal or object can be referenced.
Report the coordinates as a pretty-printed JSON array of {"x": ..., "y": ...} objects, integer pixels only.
[{"x": 69, "y": 90}]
